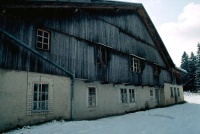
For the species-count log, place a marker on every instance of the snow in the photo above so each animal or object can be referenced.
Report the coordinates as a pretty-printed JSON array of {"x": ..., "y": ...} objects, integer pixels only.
[{"x": 177, "y": 119}]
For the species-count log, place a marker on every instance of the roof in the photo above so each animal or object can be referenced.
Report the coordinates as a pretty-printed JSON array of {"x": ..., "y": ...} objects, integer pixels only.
[
  {"x": 139, "y": 8},
  {"x": 181, "y": 70}
]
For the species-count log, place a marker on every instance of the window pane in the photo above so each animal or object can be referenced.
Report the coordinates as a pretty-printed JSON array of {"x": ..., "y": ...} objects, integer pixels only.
[
  {"x": 35, "y": 97},
  {"x": 39, "y": 32},
  {"x": 35, "y": 87},
  {"x": 42, "y": 105},
  {"x": 45, "y": 46},
  {"x": 46, "y": 40},
  {"x": 39, "y": 39},
  {"x": 46, "y": 106},
  {"x": 46, "y": 34},
  {"x": 34, "y": 105},
  {"x": 45, "y": 88},
  {"x": 43, "y": 97},
  {"x": 39, "y": 45}
]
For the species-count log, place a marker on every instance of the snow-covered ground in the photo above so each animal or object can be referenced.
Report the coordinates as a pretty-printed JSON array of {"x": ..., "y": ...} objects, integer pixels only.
[{"x": 178, "y": 119}]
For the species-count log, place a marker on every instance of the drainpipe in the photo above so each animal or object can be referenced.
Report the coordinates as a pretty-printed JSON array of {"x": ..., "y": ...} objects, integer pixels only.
[{"x": 72, "y": 77}]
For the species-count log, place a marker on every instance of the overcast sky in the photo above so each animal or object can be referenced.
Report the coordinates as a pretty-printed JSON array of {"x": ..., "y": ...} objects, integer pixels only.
[{"x": 178, "y": 23}]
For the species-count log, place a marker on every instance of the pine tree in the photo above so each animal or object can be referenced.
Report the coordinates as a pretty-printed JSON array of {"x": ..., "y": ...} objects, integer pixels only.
[
  {"x": 197, "y": 77},
  {"x": 184, "y": 65},
  {"x": 191, "y": 73},
  {"x": 184, "y": 61}
]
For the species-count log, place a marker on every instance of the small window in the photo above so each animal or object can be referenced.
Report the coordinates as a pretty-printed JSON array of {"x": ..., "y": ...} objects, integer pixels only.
[
  {"x": 135, "y": 65},
  {"x": 151, "y": 95},
  {"x": 178, "y": 91},
  {"x": 172, "y": 93},
  {"x": 92, "y": 97},
  {"x": 40, "y": 97},
  {"x": 43, "y": 38},
  {"x": 102, "y": 55},
  {"x": 123, "y": 95},
  {"x": 132, "y": 95},
  {"x": 156, "y": 70}
]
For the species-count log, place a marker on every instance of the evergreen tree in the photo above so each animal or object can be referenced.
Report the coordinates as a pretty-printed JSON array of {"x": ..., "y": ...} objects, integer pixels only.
[
  {"x": 197, "y": 77},
  {"x": 184, "y": 61},
  {"x": 184, "y": 65},
  {"x": 191, "y": 73}
]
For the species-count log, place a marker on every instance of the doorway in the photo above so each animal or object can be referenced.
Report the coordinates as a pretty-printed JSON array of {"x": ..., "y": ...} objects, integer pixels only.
[
  {"x": 175, "y": 95},
  {"x": 158, "y": 97}
]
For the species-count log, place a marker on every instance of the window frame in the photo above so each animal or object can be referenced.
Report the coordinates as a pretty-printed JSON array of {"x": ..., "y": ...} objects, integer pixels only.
[
  {"x": 123, "y": 96},
  {"x": 136, "y": 65},
  {"x": 38, "y": 102},
  {"x": 131, "y": 95},
  {"x": 91, "y": 102},
  {"x": 41, "y": 41}
]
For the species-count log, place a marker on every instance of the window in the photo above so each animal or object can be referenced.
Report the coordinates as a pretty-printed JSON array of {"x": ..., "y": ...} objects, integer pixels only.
[
  {"x": 131, "y": 95},
  {"x": 91, "y": 97},
  {"x": 172, "y": 94},
  {"x": 123, "y": 96},
  {"x": 156, "y": 70},
  {"x": 43, "y": 38},
  {"x": 178, "y": 91},
  {"x": 135, "y": 65},
  {"x": 102, "y": 55},
  {"x": 40, "y": 97},
  {"x": 151, "y": 95}
]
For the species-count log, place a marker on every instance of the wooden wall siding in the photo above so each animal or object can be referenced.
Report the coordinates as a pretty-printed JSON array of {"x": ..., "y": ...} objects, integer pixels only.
[
  {"x": 124, "y": 19},
  {"x": 78, "y": 56},
  {"x": 98, "y": 31},
  {"x": 119, "y": 69}
]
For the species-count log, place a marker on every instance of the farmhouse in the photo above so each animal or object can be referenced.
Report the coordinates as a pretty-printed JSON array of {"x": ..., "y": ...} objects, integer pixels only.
[{"x": 81, "y": 60}]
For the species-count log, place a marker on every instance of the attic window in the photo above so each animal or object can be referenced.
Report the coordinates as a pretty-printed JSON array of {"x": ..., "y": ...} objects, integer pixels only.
[
  {"x": 43, "y": 38},
  {"x": 102, "y": 55},
  {"x": 135, "y": 66},
  {"x": 156, "y": 70}
]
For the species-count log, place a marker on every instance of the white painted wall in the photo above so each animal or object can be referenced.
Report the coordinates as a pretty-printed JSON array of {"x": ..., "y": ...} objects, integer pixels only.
[
  {"x": 16, "y": 92},
  {"x": 108, "y": 99},
  {"x": 16, "y": 95},
  {"x": 168, "y": 100}
]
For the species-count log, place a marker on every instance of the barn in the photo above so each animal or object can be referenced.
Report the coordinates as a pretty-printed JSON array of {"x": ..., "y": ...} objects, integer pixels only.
[{"x": 81, "y": 60}]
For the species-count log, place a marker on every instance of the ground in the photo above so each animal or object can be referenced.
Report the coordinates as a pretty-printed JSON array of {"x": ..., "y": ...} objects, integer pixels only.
[{"x": 177, "y": 119}]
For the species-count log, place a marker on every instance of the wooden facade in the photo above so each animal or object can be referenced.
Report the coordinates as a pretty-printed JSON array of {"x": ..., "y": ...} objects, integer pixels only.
[{"x": 77, "y": 30}]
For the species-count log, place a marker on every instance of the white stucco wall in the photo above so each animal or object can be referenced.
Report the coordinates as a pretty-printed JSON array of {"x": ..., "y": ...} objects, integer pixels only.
[
  {"x": 108, "y": 99},
  {"x": 16, "y": 95},
  {"x": 168, "y": 100}
]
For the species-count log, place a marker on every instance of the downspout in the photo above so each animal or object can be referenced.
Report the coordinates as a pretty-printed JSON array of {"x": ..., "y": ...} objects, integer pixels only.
[{"x": 72, "y": 77}]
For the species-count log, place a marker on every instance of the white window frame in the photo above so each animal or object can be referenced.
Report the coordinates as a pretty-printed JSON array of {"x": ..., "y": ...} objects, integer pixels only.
[
  {"x": 136, "y": 67},
  {"x": 123, "y": 95},
  {"x": 131, "y": 95},
  {"x": 38, "y": 97},
  {"x": 151, "y": 94},
  {"x": 43, "y": 39},
  {"x": 91, "y": 98}
]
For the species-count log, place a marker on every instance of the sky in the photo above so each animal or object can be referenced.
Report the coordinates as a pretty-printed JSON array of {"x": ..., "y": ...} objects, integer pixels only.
[{"x": 177, "y": 22}]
